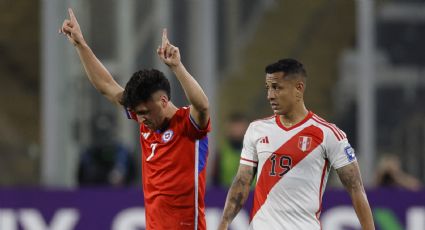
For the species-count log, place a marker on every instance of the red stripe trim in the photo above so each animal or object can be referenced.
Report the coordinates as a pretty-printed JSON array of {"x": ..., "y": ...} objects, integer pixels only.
[
  {"x": 341, "y": 133},
  {"x": 338, "y": 130},
  {"x": 337, "y": 134},
  {"x": 249, "y": 160},
  {"x": 333, "y": 125},
  {"x": 330, "y": 127},
  {"x": 320, "y": 192},
  {"x": 306, "y": 118}
]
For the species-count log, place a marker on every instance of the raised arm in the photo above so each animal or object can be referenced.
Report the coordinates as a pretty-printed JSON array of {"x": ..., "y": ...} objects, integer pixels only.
[
  {"x": 237, "y": 195},
  {"x": 98, "y": 75},
  {"x": 352, "y": 181},
  {"x": 170, "y": 55}
]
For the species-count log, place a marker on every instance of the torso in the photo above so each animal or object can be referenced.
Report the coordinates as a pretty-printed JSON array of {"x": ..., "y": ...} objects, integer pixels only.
[
  {"x": 292, "y": 169},
  {"x": 173, "y": 173}
]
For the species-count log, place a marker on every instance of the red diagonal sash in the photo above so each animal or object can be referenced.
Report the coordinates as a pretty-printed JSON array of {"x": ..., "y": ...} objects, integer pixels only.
[{"x": 282, "y": 161}]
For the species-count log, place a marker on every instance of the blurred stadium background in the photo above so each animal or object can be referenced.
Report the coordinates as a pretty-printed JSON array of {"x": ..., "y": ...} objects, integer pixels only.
[{"x": 365, "y": 61}]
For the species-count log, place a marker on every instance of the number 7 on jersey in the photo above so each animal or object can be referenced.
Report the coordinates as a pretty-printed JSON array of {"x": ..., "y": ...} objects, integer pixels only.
[{"x": 153, "y": 146}]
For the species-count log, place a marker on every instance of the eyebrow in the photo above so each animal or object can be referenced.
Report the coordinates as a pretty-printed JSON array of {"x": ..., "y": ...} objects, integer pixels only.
[{"x": 141, "y": 111}]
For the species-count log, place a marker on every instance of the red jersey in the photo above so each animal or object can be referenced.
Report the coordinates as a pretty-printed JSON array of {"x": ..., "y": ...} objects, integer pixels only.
[{"x": 173, "y": 173}]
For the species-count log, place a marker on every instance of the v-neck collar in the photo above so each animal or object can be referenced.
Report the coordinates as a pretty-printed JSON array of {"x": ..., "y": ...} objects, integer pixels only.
[{"x": 306, "y": 118}]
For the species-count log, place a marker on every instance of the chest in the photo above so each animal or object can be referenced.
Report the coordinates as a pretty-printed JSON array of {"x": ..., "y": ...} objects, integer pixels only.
[
  {"x": 280, "y": 151},
  {"x": 169, "y": 147},
  {"x": 272, "y": 142}
]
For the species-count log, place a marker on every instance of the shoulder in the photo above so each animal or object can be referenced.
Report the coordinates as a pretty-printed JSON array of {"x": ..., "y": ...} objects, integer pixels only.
[
  {"x": 263, "y": 121},
  {"x": 182, "y": 113},
  {"x": 261, "y": 126},
  {"x": 328, "y": 128},
  {"x": 183, "y": 110}
]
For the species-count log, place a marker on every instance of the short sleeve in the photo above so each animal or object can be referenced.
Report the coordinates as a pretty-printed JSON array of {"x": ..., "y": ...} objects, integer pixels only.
[
  {"x": 193, "y": 129},
  {"x": 130, "y": 114},
  {"x": 339, "y": 152},
  {"x": 249, "y": 151}
]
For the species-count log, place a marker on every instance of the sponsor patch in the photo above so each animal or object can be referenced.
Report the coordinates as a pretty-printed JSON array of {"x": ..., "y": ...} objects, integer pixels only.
[
  {"x": 166, "y": 137},
  {"x": 349, "y": 152}
]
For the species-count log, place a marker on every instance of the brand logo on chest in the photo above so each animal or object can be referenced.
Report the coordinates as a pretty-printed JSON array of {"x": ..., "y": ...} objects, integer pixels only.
[
  {"x": 146, "y": 135},
  {"x": 304, "y": 143},
  {"x": 264, "y": 140},
  {"x": 167, "y": 136}
]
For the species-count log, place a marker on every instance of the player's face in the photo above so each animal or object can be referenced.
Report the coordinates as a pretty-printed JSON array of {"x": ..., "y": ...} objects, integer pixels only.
[
  {"x": 152, "y": 112},
  {"x": 281, "y": 93}
]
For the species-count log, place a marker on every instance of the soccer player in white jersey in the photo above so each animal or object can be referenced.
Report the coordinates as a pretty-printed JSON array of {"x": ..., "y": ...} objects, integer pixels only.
[{"x": 292, "y": 153}]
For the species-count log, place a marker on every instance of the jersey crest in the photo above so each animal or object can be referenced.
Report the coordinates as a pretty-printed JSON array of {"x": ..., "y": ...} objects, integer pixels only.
[
  {"x": 166, "y": 137},
  {"x": 304, "y": 143}
]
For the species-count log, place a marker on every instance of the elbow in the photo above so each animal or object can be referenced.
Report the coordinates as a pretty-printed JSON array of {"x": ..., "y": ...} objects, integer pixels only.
[
  {"x": 204, "y": 107},
  {"x": 103, "y": 92}
]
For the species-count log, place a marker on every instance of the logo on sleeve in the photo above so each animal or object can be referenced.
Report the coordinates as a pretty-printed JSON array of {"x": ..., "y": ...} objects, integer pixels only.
[
  {"x": 166, "y": 137},
  {"x": 349, "y": 152},
  {"x": 304, "y": 143}
]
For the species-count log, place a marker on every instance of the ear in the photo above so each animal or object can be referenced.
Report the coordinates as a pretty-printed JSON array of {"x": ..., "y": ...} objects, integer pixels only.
[
  {"x": 300, "y": 86},
  {"x": 164, "y": 100}
]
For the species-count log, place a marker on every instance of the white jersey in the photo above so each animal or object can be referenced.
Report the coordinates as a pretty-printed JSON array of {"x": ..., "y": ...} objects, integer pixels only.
[{"x": 292, "y": 169}]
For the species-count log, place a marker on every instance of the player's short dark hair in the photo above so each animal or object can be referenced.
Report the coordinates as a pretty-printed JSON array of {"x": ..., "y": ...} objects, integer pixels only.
[
  {"x": 142, "y": 85},
  {"x": 289, "y": 66}
]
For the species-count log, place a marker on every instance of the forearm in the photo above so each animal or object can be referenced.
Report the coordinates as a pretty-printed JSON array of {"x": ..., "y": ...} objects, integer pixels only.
[
  {"x": 98, "y": 75},
  {"x": 192, "y": 89},
  {"x": 238, "y": 193},
  {"x": 362, "y": 208},
  {"x": 352, "y": 181}
]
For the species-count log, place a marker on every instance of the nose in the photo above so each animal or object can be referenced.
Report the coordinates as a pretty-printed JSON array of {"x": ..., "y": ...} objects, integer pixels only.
[
  {"x": 141, "y": 119},
  {"x": 270, "y": 94}
]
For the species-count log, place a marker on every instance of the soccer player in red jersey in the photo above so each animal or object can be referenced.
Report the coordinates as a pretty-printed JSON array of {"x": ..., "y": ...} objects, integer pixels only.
[
  {"x": 291, "y": 153},
  {"x": 174, "y": 140}
]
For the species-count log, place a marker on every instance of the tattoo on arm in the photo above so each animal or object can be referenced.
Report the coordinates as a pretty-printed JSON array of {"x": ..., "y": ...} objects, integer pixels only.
[
  {"x": 352, "y": 181},
  {"x": 238, "y": 192},
  {"x": 350, "y": 177}
]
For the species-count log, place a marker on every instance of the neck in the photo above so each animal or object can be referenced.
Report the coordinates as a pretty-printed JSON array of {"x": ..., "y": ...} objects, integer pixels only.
[
  {"x": 293, "y": 117},
  {"x": 169, "y": 113},
  {"x": 170, "y": 110}
]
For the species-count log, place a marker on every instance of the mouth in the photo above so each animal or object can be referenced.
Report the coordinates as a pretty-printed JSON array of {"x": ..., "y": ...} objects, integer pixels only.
[
  {"x": 148, "y": 124},
  {"x": 274, "y": 106}
]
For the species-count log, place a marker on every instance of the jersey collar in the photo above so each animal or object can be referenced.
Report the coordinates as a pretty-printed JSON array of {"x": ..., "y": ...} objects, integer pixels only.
[{"x": 306, "y": 118}]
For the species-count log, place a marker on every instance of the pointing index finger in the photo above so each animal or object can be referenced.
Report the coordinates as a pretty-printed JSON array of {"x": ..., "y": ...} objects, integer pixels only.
[
  {"x": 164, "y": 38},
  {"x": 71, "y": 15}
]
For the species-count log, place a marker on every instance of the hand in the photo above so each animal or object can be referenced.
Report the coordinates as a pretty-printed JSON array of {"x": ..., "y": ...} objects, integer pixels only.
[
  {"x": 168, "y": 53},
  {"x": 71, "y": 29}
]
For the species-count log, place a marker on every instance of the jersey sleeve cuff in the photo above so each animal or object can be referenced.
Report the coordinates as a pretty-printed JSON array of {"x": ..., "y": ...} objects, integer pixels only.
[
  {"x": 207, "y": 127},
  {"x": 130, "y": 115},
  {"x": 344, "y": 164},
  {"x": 248, "y": 162}
]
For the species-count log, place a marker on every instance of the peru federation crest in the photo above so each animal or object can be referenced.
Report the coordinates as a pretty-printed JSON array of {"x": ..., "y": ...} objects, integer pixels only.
[{"x": 304, "y": 143}]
